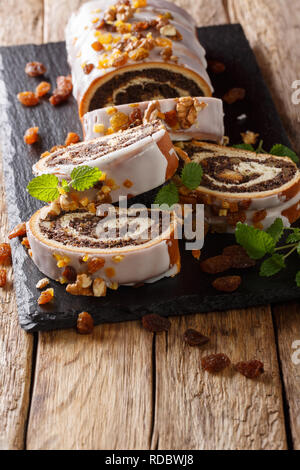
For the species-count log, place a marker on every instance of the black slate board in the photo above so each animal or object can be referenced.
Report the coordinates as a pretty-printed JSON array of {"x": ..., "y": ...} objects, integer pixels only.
[{"x": 189, "y": 292}]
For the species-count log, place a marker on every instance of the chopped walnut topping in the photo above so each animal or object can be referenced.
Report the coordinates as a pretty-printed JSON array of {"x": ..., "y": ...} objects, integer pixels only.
[
  {"x": 95, "y": 264},
  {"x": 120, "y": 60},
  {"x": 249, "y": 137},
  {"x": 42, "y": 283},
  {"x": 85, "y": 323},
  {"x": 67, "y": 203},
  {"x": 99, "y": 287},
  {"x": 166, "y": 53},
  {"x": 51, "y": 211},
  {"x": 168, "y": 30},
  {"x": 82, "y": 286},
  {"x": 139, "y": 54},
  {"x": 187, "y": 110},
  {"x": 151, "y": 112}
]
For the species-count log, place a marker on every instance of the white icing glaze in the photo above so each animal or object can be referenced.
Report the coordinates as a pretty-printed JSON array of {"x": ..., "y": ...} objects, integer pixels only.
[
  {"x": 142, "y": 163},
  {"x": 209, "y": 124},
  {"x": 143, "y": 263},
  {"x": 80, "y": 34}
]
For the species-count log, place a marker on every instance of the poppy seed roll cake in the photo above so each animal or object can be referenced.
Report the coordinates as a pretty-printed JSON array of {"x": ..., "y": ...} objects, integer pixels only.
[
  {"x": 134, "y": 161},
  {"x": 128, "y": 51},
  {"x": 185, "y": 118},
  {"x": 239, "y": 185},
  {"x": 123, "y": 247}
]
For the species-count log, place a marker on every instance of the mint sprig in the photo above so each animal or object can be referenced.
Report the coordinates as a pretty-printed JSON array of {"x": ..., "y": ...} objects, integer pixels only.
[
  {"x": 191, "y": 176},
  {"x": 279, "y": 150},
  {"x": 259, "y": 244},
  {"x": 47, "y": 187}
]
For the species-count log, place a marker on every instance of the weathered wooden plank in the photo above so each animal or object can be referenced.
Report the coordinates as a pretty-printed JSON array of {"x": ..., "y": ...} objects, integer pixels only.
[
  {"x": 198, "y": 410},
  {"x": 21, "y": 23},
  {"x": 287, "y": 320},
  {"x": 93, "y": 392}
]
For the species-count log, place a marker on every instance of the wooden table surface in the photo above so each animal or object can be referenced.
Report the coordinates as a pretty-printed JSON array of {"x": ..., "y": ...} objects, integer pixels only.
[{"x": 123, "y": 388}]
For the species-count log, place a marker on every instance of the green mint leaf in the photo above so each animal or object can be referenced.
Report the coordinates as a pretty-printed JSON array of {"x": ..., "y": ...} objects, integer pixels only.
[
  {"x": 44, "y": 188},
  {"x": 298, "y": 279},
  {"x": 191, "y": 175},
  {"x": 283, "y": 151},
  {"x": 167, "y": 195},
  {"x": 244, "y": 147},
  {"x": 298, "y": 249},
  {"x": 65, "y": 185},
  {"x": 272, "y": 265},
  {"x": 84, "y": 177},
  {"x": 256, "y": 242},
  {"x": 294, "y": 237},
  {"x": 276, "y": 230}
]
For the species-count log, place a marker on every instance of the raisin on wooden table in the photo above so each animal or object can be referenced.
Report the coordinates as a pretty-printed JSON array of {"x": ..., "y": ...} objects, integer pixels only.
[
  {"x": 85, "y": 323},
  {"x": 155, "y": 323},
  {"x": 215, "y": 362},
  {"x": 250, "y": 369},
  {"x": 195, "y": 338}
]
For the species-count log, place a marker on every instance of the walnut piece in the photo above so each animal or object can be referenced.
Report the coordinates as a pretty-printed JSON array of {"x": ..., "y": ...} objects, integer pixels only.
[
  {"x": 187, "y": 110},
  {"x": 99, "y": 287},
  {"x": 151, "y": 113},
  {"x": 42, "y": 283},
  {"x": 82, "y": 286}
]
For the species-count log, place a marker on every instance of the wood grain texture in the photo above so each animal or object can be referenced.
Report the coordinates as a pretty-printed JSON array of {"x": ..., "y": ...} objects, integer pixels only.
[
  {"x": 15, "y": 345},
  {"x": 93, "y": 392},
  {"x": 288, "y": 331}
]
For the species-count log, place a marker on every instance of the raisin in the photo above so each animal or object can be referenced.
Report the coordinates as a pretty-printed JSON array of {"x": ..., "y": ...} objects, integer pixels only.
[
  {"x": 28, "y": 98},
  {"x": 239, "y": 257},
  {"x": 2, "y": 277},
  {"x": 141, "y": 26},
  {"x": 195, "y": 338},
  {"x": 166, "y": 53},
  {"x": 5, "y": 254},
  {"x": 259, "y": 216},
  {"x": 72, "y": 138},
  {"x": 155, "y": 323},
  {"x": 46, "y": 296},
  {"x": 85, "y": 323},
  {"x": 35, "y": 69},
  {"x": 171, "y": 118},
  {"x": 250, "y": 369},
  {"x": 120, "y": 60},
  {"x": 216, "y": 66},
  {"x": 31, "y": 136},
  {"x": 217, "y": 264},
  {"x": 63, "y": 90},
  {"x": 215, "y": 362},
  {"x": 233, "y": 95},
  {"x": 42, "y": 89},
  {"x": 135, "y": 118},
  {"x": 235, "y": 217},
  {"x": 95, "y": 264},
  {"x": 227, "y": 283},
  {"x": 70, "y": 274},
  {"x": 88, "y": 68},
  {"x": 18, "y": 231}
]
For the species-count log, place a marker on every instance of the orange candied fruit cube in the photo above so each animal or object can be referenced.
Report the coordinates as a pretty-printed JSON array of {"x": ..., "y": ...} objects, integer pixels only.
[
  {"x": 42, "y": 89},
  {"x": 46, "y": 296},
  {"x": 139, "y": 3},
  {"x": 72, "y": 138},
  {"x": 97, "y": 46},
  {"x": 31, "y": 136}
]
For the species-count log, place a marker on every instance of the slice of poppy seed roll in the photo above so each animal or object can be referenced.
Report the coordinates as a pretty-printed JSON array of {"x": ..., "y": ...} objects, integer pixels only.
[
  {"x": 242, "y": 186},
  {"x": 119, "y": 247},
  {"x": 134, "y": 161},
  {"x": 185, "y": 118},
  {"x": 127, "y": 51}
]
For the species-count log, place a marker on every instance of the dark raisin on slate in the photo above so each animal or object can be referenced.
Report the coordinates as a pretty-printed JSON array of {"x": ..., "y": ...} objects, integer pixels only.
[
  {"x": 227, "y": 283},
  {"x": 216, "y": 264},
  {"x": 155, "y": 323},
  {"x": 85, "y": 323},
  {"x": 195, "y": 338},
  {"x": 215, "y": 362},
  {"x": 239, "y": 257},
  {"x": 250, "y": 369}
]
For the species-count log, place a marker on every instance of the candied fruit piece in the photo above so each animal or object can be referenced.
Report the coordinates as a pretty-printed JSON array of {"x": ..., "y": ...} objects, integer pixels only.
[
  {"x": 5, "y": 254},
  {"x": 46, "y": 296},
  {"x": 97, "y": 46},
  {"x": 2, "y": 277},
  {"x": 69, "y": 273},
  {"x": 31, "y": 136},
  {"x": 227, "y": 283},
  {"x": 42, "y": 89},
  {"x": 135, "y": 118},
  {"x": 233, "y": 95},
  {"x": 239, "y": 257},
  {"x": 250, "y": 369},
  {"x": 28, "y": 98},
  {"x": 171, "y": 118},
  {"x": 216, "y": 264},
  {"x": 88, "y": 68},
  {"x": 119, "y": 121},
  {"x": 18, "y": 231},
  {"x": 85, "y": 323},
  {"x": 35, "y": 69},
  {"x": 195, "y": 338},
  {"x": 72, "y": 138},
  {"x": 259, "y": 216},
  {"x": 235, "y": 217},
  {"x": 215, "y": 362},
  {"x": 155, "y": 323},
  {"x": 95, "y": 264}
]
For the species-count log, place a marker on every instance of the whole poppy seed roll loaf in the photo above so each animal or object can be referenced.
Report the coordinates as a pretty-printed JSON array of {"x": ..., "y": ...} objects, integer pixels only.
[
  {"x": 185, "y": 118},
  {"x": 123, "y": 247},
  {"x": 128, "y": 51},
  {"x": 242, "y": 186},
  {"x": 134, "y": 161}
]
